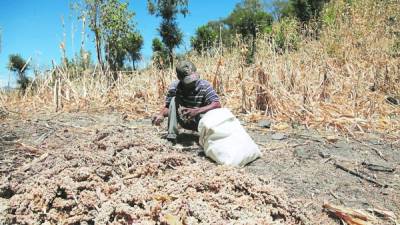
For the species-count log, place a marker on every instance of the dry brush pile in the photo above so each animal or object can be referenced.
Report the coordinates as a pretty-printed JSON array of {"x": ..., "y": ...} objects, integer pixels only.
[{"x": 121, "y": 175}]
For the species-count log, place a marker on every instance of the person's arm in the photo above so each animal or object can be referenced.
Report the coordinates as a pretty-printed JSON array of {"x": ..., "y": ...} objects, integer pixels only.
[
  {"x": 193, "y": 112},
  {"x": 158, "y": 118}
]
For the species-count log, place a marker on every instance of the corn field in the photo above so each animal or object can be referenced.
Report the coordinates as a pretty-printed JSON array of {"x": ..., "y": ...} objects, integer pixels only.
[{"x": 339, "y": 81}]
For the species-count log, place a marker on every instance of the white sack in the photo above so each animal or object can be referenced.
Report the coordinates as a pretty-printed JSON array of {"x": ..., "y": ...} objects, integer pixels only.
[{"x": 224, "y": 139}]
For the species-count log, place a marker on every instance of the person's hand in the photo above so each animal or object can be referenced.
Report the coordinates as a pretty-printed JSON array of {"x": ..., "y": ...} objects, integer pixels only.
[
  {"x": 157, "y": 119},
  {"x": 190, "y": 112}
]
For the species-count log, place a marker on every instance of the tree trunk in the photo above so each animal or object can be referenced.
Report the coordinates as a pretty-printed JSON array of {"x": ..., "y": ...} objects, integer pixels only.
[
  {"x": 133, "y": 64},
  {"x": 98, "y": 49},
  {"x": 98, "y": 39},
  {"x": 171, "y": 58}
]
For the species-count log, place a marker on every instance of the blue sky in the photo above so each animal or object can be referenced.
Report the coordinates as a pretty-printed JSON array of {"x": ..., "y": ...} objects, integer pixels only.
[{"x": 33, "y": 28}]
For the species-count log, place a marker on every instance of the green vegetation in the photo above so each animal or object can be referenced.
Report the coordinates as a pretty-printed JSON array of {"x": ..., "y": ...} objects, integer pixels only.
[
  {"x": 80, "y": 62},
  {"x": 248, "y": 19},
  {"x": 160, "y": 54},
  {"x": 19, "y": 65},
  {"x": 305, "y": 10},
  {"x": 283, "y": 27},
  {"x": 116, "y": 28},
  {"x": 114, "y": 32},
  {"x": 133, "y": 45},
  {"x": 169, "y": 31},
  {"x": 117, "y": 41},
  {"x": 286, "y": 35},
  {"x": 211, "y": 35},
  {"x": 204, "y": 39},
  {"x": 91, "y": 9}
]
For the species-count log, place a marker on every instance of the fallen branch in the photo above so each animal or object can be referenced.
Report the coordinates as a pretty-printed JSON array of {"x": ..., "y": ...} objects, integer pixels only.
[
  {"x": 352, "y": 172},
  {"x": 377, "y": 151},
  {"x": 379, "y": 168}
]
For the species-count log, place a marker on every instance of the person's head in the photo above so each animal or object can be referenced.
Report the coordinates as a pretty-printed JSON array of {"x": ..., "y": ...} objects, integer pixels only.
[{"x": 186, "y": 73}]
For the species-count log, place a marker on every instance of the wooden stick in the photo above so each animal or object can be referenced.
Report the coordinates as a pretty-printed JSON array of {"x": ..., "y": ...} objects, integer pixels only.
[
  {"x": 379, "y": 153},
  {"x": 352, "y": 172}
]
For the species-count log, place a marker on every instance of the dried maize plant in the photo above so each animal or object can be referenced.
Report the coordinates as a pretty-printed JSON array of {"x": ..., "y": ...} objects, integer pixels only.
[
  {"x": 306, "y": 95},
  {"x": 243, "y": 89},
  {"x": 217, "y": 81},
  {"x": 161, "y": 84},
  {"x": 263, "y": 97},
  {"x": 57, "y": 91},
  {"x": 243, "y": 86},
  {"x": 324, "y": 85}
]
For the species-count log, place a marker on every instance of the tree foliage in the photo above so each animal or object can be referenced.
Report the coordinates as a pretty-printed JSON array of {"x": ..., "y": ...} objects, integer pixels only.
[
  {"x": 133, "y": 45},
  {"x": 160, "y": 53},
  {"x": 248, "y": 19},
  {"x": 169, "y": 31},
  {"x": 116, "y": 20},
  {"x": 281, "y": 9},
  {"x": 285, "y": 34},
  {"x": 303, "y": 10},
  {"x": 80, "y": 62},
  {"x": 205, "y": 38},
  {"x": 91, "y": 9},
  {"x": 114, "y": 31},
  {"x": 19, "y": 65}
]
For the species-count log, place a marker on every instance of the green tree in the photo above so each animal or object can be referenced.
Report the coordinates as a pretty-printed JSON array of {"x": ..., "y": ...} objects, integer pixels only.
[
  {"x": 19, "y": 65},
  {"x": 204, "y": 39},
  {"x": 225, "y": 35},
  {"x": 160, "y": 53},
  {"x": 286, "y": 34},
  {"x": 92, "y": 9},
  {"x": 248, "y": 19},
  {"x": 117, "y": 25},
  {"x": 80, "y": 62},
  {"x": 281, "y": 9},
  {"x": 169, "y": 31},
  {"x": 111, "y": 22},
  {"x": 133, "y": 45},
  {"x": 303, "y": 10}
]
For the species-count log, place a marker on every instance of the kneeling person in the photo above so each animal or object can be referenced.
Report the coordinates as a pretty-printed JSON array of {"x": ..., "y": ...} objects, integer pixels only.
[{"x": 187, "y": 99}]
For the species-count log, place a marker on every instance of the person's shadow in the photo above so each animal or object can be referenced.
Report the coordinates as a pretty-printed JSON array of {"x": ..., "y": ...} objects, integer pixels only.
[{"x": 188, "y": 139}]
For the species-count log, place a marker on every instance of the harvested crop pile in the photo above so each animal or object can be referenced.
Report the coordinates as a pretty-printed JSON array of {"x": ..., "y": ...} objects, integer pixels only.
[{"x": 122, "y": 176}]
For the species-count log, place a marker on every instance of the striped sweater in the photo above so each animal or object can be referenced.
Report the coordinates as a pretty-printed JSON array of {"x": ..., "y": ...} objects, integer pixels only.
[{"x": 203, "y": 94}]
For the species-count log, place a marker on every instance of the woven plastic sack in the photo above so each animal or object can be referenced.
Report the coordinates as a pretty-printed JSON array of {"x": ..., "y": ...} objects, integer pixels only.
[{"x": 224, "y": 139}]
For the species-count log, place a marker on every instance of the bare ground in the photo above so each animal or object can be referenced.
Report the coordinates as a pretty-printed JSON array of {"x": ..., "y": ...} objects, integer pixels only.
[{"x": 77, "y": 168}]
